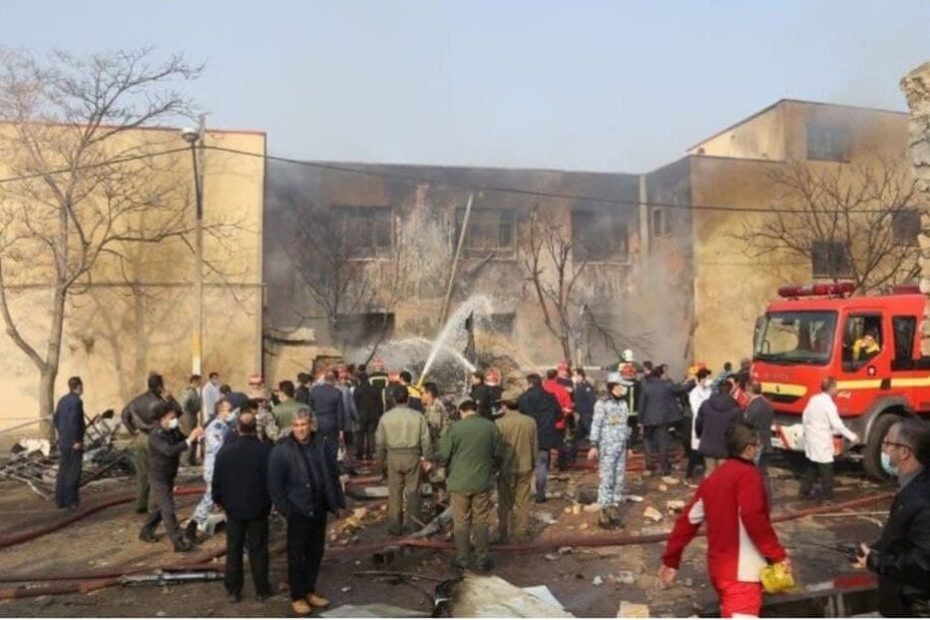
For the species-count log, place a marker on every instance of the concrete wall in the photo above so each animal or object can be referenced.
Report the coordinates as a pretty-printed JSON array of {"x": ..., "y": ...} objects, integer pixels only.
[
  {"x": 135, "y": 316},
  {"x": 761, "y": 136}
]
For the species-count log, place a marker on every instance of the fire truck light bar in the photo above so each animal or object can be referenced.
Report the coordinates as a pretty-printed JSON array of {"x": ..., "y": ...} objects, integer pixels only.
[{"x": 815, "y": 290}]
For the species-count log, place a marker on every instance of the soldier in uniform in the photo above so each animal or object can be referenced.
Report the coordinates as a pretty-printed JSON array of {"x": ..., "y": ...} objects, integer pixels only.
[
  {"x": 610, "y": 433},
  {"x": 215, "y": 436}
]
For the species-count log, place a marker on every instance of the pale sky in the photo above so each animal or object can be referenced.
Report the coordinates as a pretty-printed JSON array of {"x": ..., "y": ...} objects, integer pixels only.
[{"x": 615, "y": 86}]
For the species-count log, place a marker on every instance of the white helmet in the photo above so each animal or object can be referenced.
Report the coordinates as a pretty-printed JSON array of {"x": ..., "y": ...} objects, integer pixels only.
[{"x": 628, "y": 355}]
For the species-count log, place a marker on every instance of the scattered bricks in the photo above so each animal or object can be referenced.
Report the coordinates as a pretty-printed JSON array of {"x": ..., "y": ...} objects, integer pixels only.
[
  {"x": 592, "y": 508},
  {"x": 565, "y": 550},
  {"x": 663, "y": 488},
  {"x": 652, "y": 514},
  {"x": 633, "y": 610},
  {"x": 670, "y": 480},
  {"x": 576, "y": 509},
  {"x": 674, "y": 505}
]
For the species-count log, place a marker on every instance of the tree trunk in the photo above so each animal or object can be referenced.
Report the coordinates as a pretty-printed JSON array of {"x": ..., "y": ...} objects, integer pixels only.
[{"x": 47, "y": 401}]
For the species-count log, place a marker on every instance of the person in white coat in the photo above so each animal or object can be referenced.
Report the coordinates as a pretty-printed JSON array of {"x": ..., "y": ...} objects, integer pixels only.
[
  {"x": 696, "y": 397},
  {"x": 822, "y": 422}
]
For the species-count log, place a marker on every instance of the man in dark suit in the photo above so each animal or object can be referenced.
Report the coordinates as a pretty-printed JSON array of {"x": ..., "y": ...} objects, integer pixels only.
[
  {"x": 240, "y": 486},
  {"x": 659, "y": 409},
  {"x": 328, "y": 406},
  {"x": 69, "y": 422}
]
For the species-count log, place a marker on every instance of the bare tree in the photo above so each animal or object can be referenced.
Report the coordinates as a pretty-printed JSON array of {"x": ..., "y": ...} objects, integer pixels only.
[
  {"x": 846, "y": 220},
  {"x": 553, "y": 275},
  {"x": 322, "y": 248},
  {"x": 79, "y": 188}
]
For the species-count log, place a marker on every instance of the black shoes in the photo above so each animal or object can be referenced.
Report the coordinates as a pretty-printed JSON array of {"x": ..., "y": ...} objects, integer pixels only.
[
  {"x": 484, "y": 567},
  {"x": 190, "y": 531},
  {"x": 234, "y": 598},
  {"x": 183, "y": 546},
  {"x": 147, "y": 537}
]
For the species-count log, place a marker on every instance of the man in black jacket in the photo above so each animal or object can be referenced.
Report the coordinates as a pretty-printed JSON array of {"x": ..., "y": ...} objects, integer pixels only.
[
  {"x": 69, "y": 422},
  {"x": 658, "y": 409},
  {"x": 713, "y": 418},
  {"x": 166, "y": 445},
  {"x": 544, "y": 408},
  {"x": 901, "y": 557},
  {"x": 760, "y": 414},
  {"x": 302, "y": 394},
  {"x": 304, "y": 485},
  {"x": 140, "y": 417},
  {"x": 328, "y": 407},
  {"x": 240, "y": 487},
  {"x": 369, "y": 403}
]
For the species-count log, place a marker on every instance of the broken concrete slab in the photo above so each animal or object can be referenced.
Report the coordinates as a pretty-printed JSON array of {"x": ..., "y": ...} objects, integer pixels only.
[
  {"x": 373, "y": 610},
  {"x": 652, "y": 514},
  {"x": 633, "y": 610},
  {"x": 492, "y": 597}
]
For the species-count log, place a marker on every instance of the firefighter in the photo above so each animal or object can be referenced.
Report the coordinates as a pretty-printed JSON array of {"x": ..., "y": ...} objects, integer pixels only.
[
  {"x": 866, "y": 347},
  {"x": 610, "y": 433}
]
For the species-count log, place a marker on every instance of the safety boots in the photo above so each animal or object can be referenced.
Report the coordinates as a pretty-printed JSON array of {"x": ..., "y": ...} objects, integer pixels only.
[{"x": 609, "y": 518}]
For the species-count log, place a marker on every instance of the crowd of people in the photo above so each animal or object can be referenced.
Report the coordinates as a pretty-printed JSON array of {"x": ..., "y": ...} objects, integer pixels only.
[{"x": 281, "y": 452}]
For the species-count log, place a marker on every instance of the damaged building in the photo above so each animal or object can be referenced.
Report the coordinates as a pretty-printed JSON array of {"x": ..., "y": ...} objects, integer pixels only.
[{"x": 665, "y": 263}]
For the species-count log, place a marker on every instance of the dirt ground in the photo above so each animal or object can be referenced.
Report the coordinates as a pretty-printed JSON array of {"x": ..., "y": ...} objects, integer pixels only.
[{"x": 108, "y": 540}]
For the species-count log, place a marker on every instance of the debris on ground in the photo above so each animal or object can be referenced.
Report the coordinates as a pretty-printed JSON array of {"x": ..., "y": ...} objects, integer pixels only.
[
  {"x": 626, "y": 577},
  {"x": 492, "y": 597},
  {"x": 662, "y": 488},
  {"x": 675, "y": 505},
  {"x": 373, "y": 610},
  {"x": 652, "y": 514},
  {"x": 545, "y": 517},
  {"x": 592, "y": 508},
  {"x": 633, "y": 610},
  {"x": 670, "y": 480},
  {"x": 597, "y": 581}
]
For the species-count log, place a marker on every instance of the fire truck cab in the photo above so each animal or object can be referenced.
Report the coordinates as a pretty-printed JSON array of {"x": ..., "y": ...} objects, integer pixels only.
[{"x": 872, "y": 345}]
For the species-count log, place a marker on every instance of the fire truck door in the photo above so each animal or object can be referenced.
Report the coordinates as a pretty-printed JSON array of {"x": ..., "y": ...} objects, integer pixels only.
[
  {"x": 909, "y": 373},
  {"x": 867, "y": 352}
]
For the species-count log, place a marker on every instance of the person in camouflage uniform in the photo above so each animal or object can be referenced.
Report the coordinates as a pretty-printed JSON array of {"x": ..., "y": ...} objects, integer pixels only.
[
  {"x": 264, "y": 418},
  {"x": 215, "y": 435},
  {"x": 610, "y": 433},
  {"x": 438, "y": 421}
]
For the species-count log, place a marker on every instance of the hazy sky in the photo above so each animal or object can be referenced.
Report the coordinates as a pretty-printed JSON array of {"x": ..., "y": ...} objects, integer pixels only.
[{"x": 606, "y": 85}]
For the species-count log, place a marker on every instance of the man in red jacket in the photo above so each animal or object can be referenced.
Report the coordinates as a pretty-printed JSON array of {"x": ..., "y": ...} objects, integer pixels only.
[{"x": 740, "y": 538}]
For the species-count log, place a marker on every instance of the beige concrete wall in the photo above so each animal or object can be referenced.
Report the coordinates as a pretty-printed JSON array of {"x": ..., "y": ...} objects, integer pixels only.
[
  {"x": 136, "y": 314},
  {"x": 760, "y": 137}
]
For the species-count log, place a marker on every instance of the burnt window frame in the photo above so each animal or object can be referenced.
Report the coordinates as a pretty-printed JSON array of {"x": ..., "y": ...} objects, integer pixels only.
[
  {"x": 507, "y": 221},
  {"x": 845, "y": 268},
  {"x": 906, "y": 235},
  {"x": 822, "y": 143},
  {"x": 664, "y": 228},
  {"x": 372, "y": 219},
  {"x": 619, "y": 230}
]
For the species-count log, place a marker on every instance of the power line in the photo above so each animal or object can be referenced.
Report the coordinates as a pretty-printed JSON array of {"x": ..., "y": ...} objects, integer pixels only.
[
  {"x": 535, "y": 193},
  {"x": 102, "y": 164}
]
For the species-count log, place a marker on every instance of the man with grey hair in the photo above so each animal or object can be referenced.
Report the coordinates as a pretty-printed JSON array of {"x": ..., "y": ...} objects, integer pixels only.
[
  {"x": 303, "y": 481},
  {"x": 901, "y": 556},
  {"x": 821, "y": 421}
]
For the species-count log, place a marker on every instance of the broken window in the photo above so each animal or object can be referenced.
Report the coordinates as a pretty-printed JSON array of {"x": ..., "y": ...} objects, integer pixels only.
[
  {"x": 905, "y": 226},
  {"x": 490, "y": 232},
  {"x": 827, "y": 141},
  {"x": 599, "y": 236},
  {"x": 368, "y": 230},
  {"x": 361, "y": 329},
  {"x": 659, "y": 222},
  {"x": 830, "y": 259},
  {"x": 501, "y": 323}
]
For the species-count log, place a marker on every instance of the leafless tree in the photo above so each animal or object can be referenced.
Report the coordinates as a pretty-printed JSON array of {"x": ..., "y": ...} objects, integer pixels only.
[
  {"x": 855, "y": 221},
  {"x": 320, "y": 247},
  {"x": 77, "y": 186},
  {"x": 553, "y": 275}
]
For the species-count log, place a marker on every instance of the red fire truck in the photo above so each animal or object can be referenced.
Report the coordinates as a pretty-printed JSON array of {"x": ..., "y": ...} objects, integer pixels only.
[{"x": 811, "y": 333}]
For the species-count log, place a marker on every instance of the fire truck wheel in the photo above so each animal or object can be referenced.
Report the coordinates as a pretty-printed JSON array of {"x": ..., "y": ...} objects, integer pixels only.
[{"x": 873, "y": 449}]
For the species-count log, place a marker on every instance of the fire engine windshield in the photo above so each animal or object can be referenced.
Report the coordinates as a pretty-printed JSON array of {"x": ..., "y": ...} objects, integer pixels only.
[{"x": 795, "y": 337}]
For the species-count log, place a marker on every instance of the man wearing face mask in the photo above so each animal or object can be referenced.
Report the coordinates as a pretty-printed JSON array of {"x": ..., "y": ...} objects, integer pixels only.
[
  {"x": 166, "y": 445},
  {"x": 901, "y": 557},
  {"x": 609, "y": 435}
]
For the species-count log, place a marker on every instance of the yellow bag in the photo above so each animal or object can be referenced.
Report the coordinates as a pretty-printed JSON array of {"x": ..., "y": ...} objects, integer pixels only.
[{"x": 776, "y": 578}]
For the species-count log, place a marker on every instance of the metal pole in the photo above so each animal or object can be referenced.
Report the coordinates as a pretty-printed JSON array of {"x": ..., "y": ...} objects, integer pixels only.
[
  {"x": 197, "y": 339},
  {"x": 455, "y": 261}
]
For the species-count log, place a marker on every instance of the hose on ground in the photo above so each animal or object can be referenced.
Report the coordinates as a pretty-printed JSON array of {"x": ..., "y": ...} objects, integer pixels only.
[{"x": 88, "y": 582}]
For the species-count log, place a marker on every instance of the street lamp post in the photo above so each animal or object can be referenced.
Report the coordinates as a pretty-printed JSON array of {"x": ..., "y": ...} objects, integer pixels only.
[{"x": 195, "y": 137}]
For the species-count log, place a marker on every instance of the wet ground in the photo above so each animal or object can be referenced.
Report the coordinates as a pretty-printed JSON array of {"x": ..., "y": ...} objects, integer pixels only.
[{"x": 107, "y": 541}]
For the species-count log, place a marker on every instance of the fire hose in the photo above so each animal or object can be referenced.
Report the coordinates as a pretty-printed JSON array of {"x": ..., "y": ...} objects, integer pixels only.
[{"x": 87, "y": 582}]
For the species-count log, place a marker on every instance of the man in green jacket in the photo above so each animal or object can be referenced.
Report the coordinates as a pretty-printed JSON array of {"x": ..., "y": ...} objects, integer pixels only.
[
  {"x": 402, "y": 446},
  {"x": 472, "y": 450},
  {"x": 518, "y": 432},
  {"x": 284, "y": 411}
]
